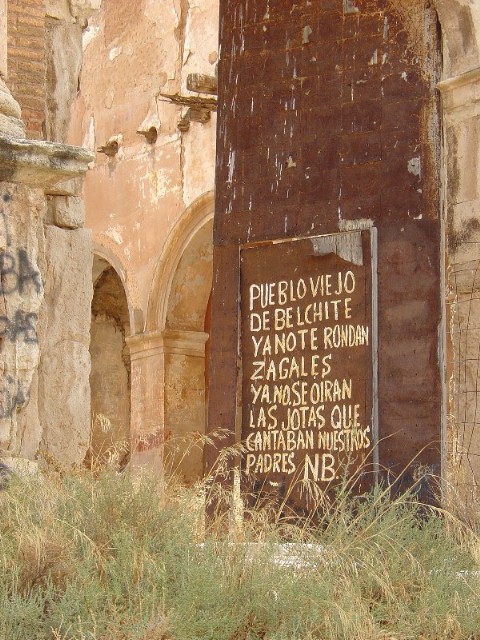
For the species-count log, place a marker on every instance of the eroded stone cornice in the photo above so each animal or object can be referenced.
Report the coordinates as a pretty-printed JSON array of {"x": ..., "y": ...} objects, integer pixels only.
[{"x": 40, "y": 163}]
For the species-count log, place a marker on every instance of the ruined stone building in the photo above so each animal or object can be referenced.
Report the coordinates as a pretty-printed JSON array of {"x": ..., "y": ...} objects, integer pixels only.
[
  {"x": 149, "y": 203},
  {"x": 139, "y": 279},
  {"x": 45, "y": 251},
  {"x": 347, "y": 147}
]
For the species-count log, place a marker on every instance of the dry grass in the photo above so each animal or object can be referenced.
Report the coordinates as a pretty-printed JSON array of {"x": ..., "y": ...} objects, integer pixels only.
[{"x": 100, "y": 557}]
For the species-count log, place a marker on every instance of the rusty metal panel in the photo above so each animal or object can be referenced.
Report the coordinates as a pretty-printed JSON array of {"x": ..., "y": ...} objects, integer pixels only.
[{"x": 308, "y": 349}]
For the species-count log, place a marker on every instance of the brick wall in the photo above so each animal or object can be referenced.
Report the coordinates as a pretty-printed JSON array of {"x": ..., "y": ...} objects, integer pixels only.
[
  {"x": 27, "y": 63},
  {"x": 328, "y": 114}
]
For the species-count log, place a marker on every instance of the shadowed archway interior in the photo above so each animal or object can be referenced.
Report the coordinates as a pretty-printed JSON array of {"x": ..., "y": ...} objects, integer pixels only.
[{"x": 110, "y": 373}]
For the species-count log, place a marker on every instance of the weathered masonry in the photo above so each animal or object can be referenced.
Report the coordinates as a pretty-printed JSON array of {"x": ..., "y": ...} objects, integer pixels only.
[
  {"x": 149, "y": 202},
  {"x": 347, "y": 243},
  {"x": 327, "y": 242},
  {"x": 103, "y": 329},
  {"x": 45, "y": 253}
]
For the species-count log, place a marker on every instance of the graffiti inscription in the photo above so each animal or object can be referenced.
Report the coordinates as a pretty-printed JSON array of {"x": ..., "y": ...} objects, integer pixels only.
[
  {"x": 17, "y": 273},
  {"x": 21, "y": 327},
  {"x": 21, "y": 288},
  {"x": 307, "y": 362},
  {"x": 12, "y": 397}
]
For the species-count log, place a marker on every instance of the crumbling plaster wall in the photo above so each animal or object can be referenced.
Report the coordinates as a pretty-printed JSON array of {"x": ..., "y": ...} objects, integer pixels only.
[
  {"x": 109, "y": 377},
  {"x": 135, "y": 198},
  {"x": 460, "y": 21},
  {"x": 132, "y": 53}
]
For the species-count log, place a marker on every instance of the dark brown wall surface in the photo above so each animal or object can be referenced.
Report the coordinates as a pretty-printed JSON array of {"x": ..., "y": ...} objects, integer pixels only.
[{"x": 328, "y": 113}]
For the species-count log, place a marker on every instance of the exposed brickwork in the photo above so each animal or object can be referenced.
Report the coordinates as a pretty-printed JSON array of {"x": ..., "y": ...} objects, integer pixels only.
[
  {"x": 328, "y": 113},
  {"x": 27, "y": 61}
]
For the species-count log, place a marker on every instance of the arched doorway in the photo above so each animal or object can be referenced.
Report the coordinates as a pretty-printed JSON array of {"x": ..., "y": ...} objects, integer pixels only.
[
  {"x": 185, "y": 338},
  {"x": 177, "y": 313},
  {"x": 110, "y": 372}
]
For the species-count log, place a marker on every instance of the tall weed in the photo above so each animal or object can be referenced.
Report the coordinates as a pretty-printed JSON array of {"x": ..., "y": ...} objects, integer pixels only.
[{"x": 100, "y": 556}]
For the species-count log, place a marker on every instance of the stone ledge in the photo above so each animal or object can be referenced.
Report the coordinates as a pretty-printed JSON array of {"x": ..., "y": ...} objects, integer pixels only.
[
  {"x": 188, "y": 343},
  {"x": 40, "y": 163},
  {"x": 464, "y": 79},
  {"x": 461, "y": 94}
]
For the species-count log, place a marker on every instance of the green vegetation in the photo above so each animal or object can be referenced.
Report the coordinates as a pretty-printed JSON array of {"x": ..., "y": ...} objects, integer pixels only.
[{"x": 100, "y": 557}]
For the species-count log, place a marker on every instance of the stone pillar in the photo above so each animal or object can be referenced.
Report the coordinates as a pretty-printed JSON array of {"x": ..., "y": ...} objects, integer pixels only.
[
  {"x": 10, "y": 114},
  {"x": 461, "y": 105},
  {"x": 11, "y": 124},
  {"x": 21, "y": 296},
  {"x": 168, "y": 399},
  {"x": 45, "y": 304},
  {"x": 45, "y": 259},
  {"x": 147, "y": 359},
  {"x": 63, "y": 41},
  {"x": 64, "y": 330},
  {"x": 185, "y": 411}
]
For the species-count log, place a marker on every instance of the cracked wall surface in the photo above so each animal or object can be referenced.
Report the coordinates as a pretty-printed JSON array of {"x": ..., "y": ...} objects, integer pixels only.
[
  {"x": 109, "y": 376},
  {"x": 96, "y": 80},
  {"x": 462, "y": 135}
]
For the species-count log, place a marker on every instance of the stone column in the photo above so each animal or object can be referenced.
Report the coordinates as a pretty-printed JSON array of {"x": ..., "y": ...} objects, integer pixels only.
[
  {"x": 11, "y": 124},
  {"x": 3, "y": 38},
  {"x": 10, "y": 115},
  {"x": 21, "y": 297},
  {"x": 168, "y": 400},
  {"x": 44, "y": 305},
  {"x": 185, "y": 410},
  {"x": 461, "y": 105},
  {"x": 147, "y": 359},
  {"x": 45, "y": 286}
]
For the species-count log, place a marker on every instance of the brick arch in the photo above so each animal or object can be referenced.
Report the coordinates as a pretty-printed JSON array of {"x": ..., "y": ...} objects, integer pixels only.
[
  {"x": 110, "y": 367},
  {"x": 103, "y": 253},
  {"x": 194, "y": 218}
]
